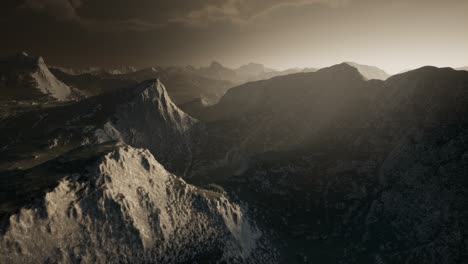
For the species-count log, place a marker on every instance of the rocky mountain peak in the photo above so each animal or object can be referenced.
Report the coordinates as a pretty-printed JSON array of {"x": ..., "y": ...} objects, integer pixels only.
[
  {"x": 28, "y": 77},
  {"x": 125, "y": 205}
]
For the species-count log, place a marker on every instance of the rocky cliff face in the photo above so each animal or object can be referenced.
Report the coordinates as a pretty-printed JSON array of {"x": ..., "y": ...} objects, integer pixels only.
[
  {"x": 143, "y": 116},
  {"x": 23, "y": 77},
  {"x": 182, "y": 85},
  {"x": 124, "y": 207}
]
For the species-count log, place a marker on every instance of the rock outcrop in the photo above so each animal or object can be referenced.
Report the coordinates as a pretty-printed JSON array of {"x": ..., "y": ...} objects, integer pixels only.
[
  {"x": 142, "y": 116},
  {"x": 23, "y": 77},
  {"x": 107, "y": 204}
]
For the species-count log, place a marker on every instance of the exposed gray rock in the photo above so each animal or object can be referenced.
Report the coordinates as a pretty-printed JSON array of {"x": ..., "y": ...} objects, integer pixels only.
[
  {"x": 125, "y": 207},
  {"x": 142, "y": 116},
  {"x": 23, "y": 77}
]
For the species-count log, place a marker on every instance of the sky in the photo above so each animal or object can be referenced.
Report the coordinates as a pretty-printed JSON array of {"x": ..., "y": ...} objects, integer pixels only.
[{"x": 394, "y": 35}]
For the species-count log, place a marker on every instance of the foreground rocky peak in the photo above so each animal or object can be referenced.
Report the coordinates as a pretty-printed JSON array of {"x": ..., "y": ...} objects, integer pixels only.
[
  {"x": 124, "y": 206},
  {"x": 24, "y": 77}
]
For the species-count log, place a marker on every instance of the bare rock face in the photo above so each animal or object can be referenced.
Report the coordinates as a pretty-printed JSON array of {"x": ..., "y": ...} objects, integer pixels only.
[
  {"x": 141, "y": 116},
  {"x": 26, "y": 77},
  {"x": 125, "y": 207},
  {"x": 151, "y": 120}
]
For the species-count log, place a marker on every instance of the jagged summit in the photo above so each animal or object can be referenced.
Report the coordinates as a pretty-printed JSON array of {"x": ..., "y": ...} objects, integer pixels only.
[
  {"x": 118, "y": 204},
  {"x": 142, "y": 116},
  {"x": 24, "y": 77}
]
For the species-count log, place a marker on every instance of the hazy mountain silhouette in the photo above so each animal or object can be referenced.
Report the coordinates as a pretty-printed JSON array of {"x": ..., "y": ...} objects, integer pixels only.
[
  {"x": 370, "y": 72},
  {"x": 245, "y": 73}
]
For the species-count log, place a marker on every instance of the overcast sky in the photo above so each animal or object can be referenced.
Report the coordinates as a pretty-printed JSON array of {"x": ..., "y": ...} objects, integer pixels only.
[{"x": 392, "y": 34}]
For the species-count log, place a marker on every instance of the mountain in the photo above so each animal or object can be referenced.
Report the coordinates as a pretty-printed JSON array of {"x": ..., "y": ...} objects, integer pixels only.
[
  {"x": 217, "y": 71},
  {"x": 114, "y": 203},
  {"x": 142, "y": 116},
  {"x": 281, "y": 113},
  {"x": 353, "y": 171},
  {"x": 245, "y": 73},
  {"x": 194, "y": 107},
  {"x": 23, "y": 77},
  {"x": 370, "y": 72},
  {"x": 329, "y": 166},
  {"x": 252, "y": 70},
  {"x": 462, "y": 69},
  {"x": 92, "y": 84},
  {"x": 287, "y": 112},
  {"x": 183, "y": 86}
]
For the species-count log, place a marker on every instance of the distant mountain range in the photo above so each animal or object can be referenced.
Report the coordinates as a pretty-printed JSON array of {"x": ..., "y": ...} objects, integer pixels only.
[
  {"x": 339, "y": 165},
  {"x": 185, "y": 84},
  {"x": 246, "y": 73}
]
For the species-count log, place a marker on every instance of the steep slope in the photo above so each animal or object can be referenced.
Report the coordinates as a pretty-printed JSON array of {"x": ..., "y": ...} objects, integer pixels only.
[
  {"x": 118, "y": 204},
  {"x": 281, "y": 113},
  {"x": 194, "y": 107},
  {"x": 23, "y": 77},
  {"x": 370, "y": 72},
  {"x": 383, "y": 183},
  {"x": 92, "y": 84},
  {"x": 182, "y": 85},
  {"x": 142, "y": 116}
]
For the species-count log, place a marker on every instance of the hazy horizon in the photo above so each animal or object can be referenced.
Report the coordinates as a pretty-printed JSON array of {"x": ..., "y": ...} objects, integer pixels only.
[{"x": 392, "y": 35}]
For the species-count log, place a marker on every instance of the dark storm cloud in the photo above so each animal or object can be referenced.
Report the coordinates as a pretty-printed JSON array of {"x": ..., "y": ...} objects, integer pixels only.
[
  {"x": 393, "y": 34},
  {"x": 60, "y": 9},
  {"x": 143, "y": 15},
  {"x": 68, "y": 11}
]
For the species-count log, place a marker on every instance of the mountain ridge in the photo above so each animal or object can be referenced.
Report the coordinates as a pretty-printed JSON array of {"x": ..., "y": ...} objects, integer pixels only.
[
  {"x": 130, "y": 209},
  {"x": 31, "y": 78}
]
